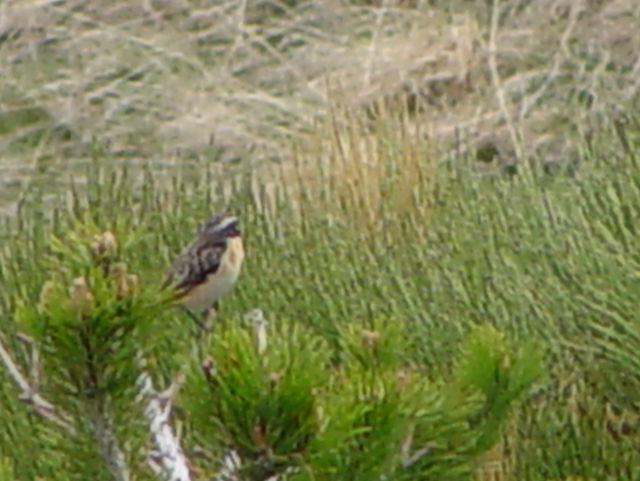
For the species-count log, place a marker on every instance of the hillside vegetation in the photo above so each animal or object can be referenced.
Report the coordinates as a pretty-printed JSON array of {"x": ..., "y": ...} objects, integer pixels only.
[
  {"x": 434, "y": 170},
  {"x": 235, "y": 81}
]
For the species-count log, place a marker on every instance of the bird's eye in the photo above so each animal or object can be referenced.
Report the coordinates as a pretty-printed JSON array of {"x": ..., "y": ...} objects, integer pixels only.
[{"x": 232, "y": 230}]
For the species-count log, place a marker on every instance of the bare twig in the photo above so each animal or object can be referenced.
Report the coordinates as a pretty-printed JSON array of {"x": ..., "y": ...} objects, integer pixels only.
[
  {"x": 562, "y": 53},
  {"x": 408, "y": 458},
  {"x": 167, "y": 459},
  {"x": 256, "y": 316},
  {"x": 417, "y": 456},
  {"x": 34, "y": 362},
  {"x": 373, "y": 46},
  {"x": 631, "y": 90},
  {"x": 497, "y": 83},
  {"x": 28, "y": 395},
  {"x": 241, "y": 28}
]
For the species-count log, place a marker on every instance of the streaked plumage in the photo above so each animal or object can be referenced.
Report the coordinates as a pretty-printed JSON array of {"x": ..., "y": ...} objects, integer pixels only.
[{"x": 208, "y": 267}]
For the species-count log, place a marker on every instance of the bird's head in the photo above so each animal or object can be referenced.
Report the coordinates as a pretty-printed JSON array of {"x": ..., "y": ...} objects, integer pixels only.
[{"x": 221, "y": 225}]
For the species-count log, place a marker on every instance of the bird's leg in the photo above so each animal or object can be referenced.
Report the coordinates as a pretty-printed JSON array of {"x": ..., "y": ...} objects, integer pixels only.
[
  {"x": 208, "y": 318},
  {"x": 199, "y": 319}
]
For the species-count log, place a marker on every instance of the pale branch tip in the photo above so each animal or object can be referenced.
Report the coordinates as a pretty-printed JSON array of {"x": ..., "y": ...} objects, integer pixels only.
[
  {"x": 256, "y": 317},
  {"x": 166, "y": 459}
]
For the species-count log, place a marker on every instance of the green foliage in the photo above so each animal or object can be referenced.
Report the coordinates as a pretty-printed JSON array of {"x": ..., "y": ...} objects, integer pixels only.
[
  {"x": 546, "y": 261},
  {"x": 357, "y": 419},
  {"x": 6, "y": 473},
  {"x": 256, "y": 402},
  {"x": 92, "y": 324},
  {"x": 93, "y": 316},
  {"x": 500, "y": 372}
]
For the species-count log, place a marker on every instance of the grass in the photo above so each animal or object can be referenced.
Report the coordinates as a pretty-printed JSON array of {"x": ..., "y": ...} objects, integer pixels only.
[
  {"x": 377, "y": 204},
  {"x": 546, "y": 257}
]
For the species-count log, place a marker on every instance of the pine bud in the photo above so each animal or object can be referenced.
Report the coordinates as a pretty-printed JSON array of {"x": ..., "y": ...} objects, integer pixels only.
[
  {"x": 133, "y": 281},
  {"x": 103, "y": 245},
  {"x": 257, "y": 436},
  {"x": 403, "y": 377},
  {"x": 81, "y": 296},
  {"x": 274, "y": 378},
  {"x": 370, "y": 338},
  {"x": 126, "y": 284},
  {"x": 45, "y": 293},
  {"x": 209, "y": 368}
]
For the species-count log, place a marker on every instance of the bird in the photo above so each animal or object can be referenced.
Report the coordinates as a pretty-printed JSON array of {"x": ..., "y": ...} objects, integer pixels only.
[{"x": 208, "y": 267}]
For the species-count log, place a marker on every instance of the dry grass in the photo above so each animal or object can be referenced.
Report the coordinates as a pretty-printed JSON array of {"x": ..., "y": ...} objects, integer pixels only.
[
  {"x": 366, "y": 172},
  {"x": 237, "y": 80}
]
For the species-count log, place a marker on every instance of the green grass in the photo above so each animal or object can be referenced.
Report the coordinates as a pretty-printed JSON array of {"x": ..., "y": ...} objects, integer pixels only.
[{"x": 550, "y": 258}]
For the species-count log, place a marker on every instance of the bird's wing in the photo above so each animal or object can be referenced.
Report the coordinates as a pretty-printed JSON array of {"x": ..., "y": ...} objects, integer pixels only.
[{"x": 194, "y": 264}]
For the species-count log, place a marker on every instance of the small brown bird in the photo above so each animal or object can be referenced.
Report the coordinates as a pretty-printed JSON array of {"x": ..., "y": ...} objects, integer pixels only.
[{"x": 206, "y": 270}]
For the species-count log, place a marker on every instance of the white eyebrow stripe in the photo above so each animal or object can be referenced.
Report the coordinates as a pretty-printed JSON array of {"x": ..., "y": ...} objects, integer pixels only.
[{"x": 227, "y": 222}]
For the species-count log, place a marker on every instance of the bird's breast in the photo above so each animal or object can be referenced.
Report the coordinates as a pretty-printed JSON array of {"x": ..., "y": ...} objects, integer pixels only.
[
  {"x": 234, "y": 254},
  {"x": 219, "y": 283}
]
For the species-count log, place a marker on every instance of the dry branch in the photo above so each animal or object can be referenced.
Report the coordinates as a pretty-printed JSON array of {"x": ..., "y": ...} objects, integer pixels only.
[
  {"x": 497, "y": 83},
  {"x": 30, "y": 396},
  {"x": 167, "y": 459}
]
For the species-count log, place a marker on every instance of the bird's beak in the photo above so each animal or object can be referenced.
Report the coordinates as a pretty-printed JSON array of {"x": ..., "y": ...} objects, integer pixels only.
[{"x": 233, "y": 229}]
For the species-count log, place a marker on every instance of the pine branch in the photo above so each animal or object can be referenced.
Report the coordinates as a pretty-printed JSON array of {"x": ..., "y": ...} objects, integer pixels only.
[
  {"x": 167, "y": 459},
  {"x": 30, "y": 396},
  {"x": 102, "y": 427},
  {"x": 231, "y": 462}
]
